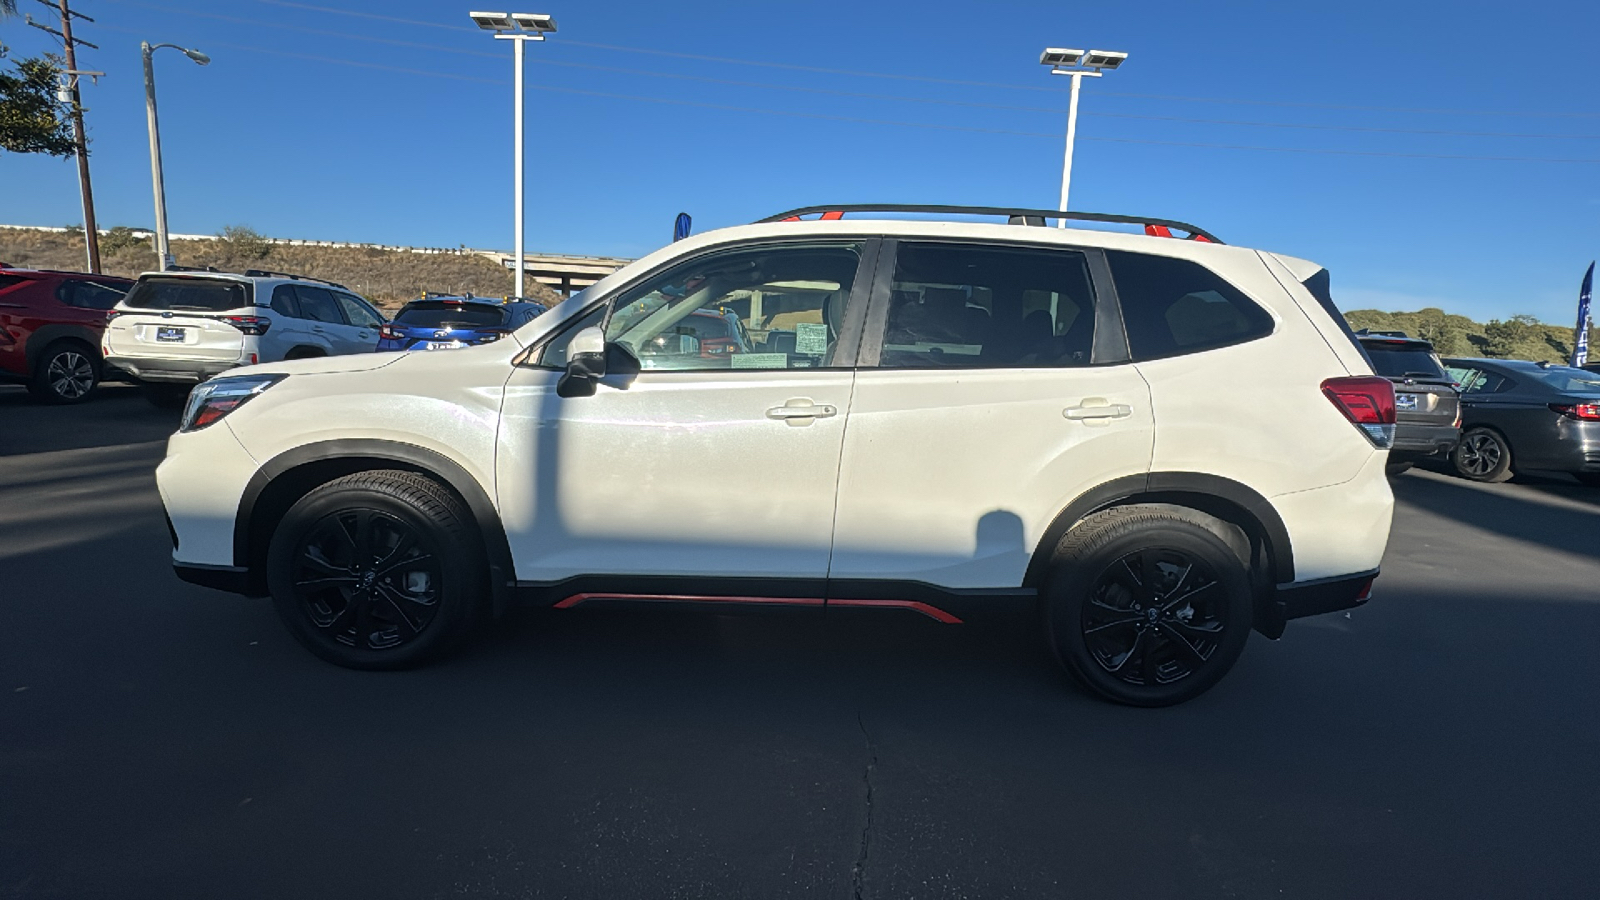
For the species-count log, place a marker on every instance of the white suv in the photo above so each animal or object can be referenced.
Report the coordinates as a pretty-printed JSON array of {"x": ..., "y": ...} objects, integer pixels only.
[
  {"x": 177, "y": 328},
  {"x": 1158, "y": 443}
]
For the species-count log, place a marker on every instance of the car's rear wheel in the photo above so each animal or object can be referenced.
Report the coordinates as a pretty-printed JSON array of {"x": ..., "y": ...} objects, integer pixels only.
[
  {"x": 1482, "y": 455},
  {"x": 166, "y": 396},
  {"x": 377, "y": 570},
  {"x": 66, "y": 372},
  {"x": 1148, "y": 605}
]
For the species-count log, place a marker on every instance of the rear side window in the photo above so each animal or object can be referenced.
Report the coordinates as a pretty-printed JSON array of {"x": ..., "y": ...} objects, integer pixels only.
[
  {"x": 318, "y": 305},
  {"x": 981, "y": 307},
  {"x": 88, "y": 294},
  {"x": 284, "y": 302},
  {"x": 1173, "y": 307},
  {"x": 195, "y": 294}
]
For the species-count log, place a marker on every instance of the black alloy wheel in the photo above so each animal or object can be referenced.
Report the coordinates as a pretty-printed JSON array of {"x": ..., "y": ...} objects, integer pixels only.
[
  {"x": 1149, "y": 605},
  {"x": 377, "y": 570},
  {"x": 66, "y": 373},
  {"x": 1482, "y": 455},
  {"x": 1155, "y": 617}
]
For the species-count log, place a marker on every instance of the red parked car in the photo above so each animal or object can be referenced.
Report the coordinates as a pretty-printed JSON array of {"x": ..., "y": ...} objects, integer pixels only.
[{"x": 50, "y": 327}]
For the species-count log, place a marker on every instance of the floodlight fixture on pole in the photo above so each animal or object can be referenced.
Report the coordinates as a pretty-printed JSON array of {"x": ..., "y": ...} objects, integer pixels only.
[
  {"x": 1079, "y": 64},
  {"x": 517, "y": 28},
  {"x": 164, "y": 259}
]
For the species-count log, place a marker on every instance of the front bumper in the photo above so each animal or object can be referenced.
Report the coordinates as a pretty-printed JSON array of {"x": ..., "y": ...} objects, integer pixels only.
[{"x": 181, "y": 371}]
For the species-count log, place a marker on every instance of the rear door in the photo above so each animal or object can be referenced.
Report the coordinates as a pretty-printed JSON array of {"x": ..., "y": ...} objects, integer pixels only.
[
  {"x": 181, "y": 319},
  {"x": 324, "y": 318},
  {"x": 994, "y": 388}
]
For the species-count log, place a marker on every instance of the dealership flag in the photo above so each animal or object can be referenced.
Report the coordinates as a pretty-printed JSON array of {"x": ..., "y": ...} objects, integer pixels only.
[{"x": 1580, "y": 340}]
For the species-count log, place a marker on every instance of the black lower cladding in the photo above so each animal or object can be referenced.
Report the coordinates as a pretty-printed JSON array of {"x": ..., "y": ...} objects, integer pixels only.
[
  {"x": 1324, "y": 595},
  {"x": 233, "y": 579}
]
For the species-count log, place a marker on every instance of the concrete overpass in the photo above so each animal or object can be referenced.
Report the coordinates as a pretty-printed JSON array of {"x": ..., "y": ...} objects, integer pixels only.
[{"x": 562, "y": 273}]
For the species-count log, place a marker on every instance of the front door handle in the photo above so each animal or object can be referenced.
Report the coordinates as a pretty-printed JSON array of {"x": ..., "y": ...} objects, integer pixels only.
[
  {"x": 801, "y": 411},
  {"x": 1098, "y": 408}
]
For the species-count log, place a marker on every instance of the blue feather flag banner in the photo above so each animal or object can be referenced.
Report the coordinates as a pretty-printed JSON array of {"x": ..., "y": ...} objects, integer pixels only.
[{"x": 1580, "y": 339}]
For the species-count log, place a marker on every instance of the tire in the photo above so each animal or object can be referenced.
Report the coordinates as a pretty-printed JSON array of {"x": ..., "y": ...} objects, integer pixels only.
[
  {"x": 166, "y": 396},
  {"x": 353, "y": 613},
  {"x": 66, "y": 372},
  {"x": 1149, "y": 647},
  {"x": 1592, "y": 479},
  {"x": 1482, "y": 455},
  {"x": 1396, "y": 468}
]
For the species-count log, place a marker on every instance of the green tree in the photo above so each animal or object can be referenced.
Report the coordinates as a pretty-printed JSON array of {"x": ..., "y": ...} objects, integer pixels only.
[
  {"x": 243, "y": 243},
  {"x": 30, "y": 116}
]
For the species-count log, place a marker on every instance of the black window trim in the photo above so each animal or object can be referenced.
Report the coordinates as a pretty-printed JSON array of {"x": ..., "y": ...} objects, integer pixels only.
[
  {"x": 847, "y": 347},
  {"x": 1110, "y": 347}
]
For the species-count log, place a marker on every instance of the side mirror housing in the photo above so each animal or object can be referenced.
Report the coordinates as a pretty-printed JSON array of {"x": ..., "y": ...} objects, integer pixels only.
[{"x": 586, "y": 363}]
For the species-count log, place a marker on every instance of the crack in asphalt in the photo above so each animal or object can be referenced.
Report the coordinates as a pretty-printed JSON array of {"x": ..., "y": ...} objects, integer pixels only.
[{"x": 858, "y": 874}]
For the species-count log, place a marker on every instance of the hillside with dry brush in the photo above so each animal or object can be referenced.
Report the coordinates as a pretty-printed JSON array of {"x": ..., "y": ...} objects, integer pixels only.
[{"x": 388, "y": 278}]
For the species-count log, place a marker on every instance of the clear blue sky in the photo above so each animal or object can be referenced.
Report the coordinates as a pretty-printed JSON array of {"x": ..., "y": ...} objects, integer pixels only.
[{"x": 407, "y": 140}]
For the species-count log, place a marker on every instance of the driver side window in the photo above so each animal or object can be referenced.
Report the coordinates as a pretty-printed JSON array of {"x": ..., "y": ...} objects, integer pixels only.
[{"x": 776, "y": 307}]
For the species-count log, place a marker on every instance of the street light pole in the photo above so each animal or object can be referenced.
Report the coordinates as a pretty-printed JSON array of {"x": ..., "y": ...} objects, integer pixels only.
[
  {"x": 1079, "y": 65},
  {"x": 163, "y": 255},
  {"x": 517, "y": 28}
]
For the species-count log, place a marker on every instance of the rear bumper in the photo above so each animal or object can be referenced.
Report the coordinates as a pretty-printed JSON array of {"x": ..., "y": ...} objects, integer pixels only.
[
  {"x": 1424, "y": 440},
  {"x": 185, "y": 371},
  {"x": 1313, "y": 598},
  {"x": 233, "y": 579}
]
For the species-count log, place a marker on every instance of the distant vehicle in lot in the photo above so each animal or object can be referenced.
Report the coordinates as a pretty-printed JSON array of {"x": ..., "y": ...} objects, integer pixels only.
[
  {"x": 1426, "y": 404},
  {"x": 1067, "y": 421},
  {"x": 1523, "y": 415},
  {"x": 175, "y": 329},
  {"x": 50, "y": 327},
  {"x": 447, "y": 323}
]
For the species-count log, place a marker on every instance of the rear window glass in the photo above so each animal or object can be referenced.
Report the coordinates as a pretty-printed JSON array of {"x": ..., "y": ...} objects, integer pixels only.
[
  {"x": 438, "y": 315},
  {"x": 1173, "y": 306},
  {"x": 189, "y": 294},
  {"x": 1568, "y": 380},
  {"x": 1404, "y": 361}
]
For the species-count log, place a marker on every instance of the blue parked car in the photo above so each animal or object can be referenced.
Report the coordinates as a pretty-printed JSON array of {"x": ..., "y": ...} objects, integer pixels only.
[{"x": 446, "y": 323}]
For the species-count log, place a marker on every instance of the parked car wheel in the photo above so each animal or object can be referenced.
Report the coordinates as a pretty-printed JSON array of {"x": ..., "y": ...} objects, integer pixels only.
[
  {"x": 66, "y": 372},
  {"x": 1148, "y": 605},
  {"x": 377, "y": 570},
  {"x": 166, "y": 396},
  {"x": 1482, "y": 455}
]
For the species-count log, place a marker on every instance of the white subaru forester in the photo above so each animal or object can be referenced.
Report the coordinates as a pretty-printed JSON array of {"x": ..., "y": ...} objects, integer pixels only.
[{"x": 1158, "y": 443}]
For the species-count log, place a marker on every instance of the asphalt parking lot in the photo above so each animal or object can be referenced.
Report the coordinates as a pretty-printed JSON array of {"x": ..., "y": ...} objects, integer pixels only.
[{"x": 161, "y": 740}]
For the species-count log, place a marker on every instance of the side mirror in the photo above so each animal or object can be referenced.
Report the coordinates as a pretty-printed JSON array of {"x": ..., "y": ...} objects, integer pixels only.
[{"x": 586, "y": 363}]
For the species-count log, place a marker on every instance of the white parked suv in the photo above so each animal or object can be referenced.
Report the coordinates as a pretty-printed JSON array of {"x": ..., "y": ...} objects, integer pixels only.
[
  {"x": 1158, "y": 443},
  {"x": 175, "y": 329}
]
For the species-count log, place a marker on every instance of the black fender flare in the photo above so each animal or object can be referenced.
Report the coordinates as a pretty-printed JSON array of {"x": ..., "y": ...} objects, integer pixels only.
[
  {"x": 1183, "y": 488},
  {"x": 323, "y": 461},
  {"x": 46, "y": 335}
]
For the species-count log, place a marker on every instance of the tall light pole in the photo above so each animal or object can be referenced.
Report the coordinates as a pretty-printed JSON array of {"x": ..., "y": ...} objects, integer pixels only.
[
  {"x": 516, "y": 28},
  {"x": 1078, "y": 65},
  {"x": 164, "y": 258}
]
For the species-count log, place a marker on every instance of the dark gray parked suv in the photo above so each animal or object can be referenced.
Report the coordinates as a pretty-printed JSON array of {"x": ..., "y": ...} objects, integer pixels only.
[
  {"x": 1524, "y": 415},
  {"x": 1426, "y": 402}
]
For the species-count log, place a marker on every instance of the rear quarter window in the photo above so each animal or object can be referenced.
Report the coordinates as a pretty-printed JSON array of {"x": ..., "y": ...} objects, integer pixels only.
[
  {"x": 192, "y": 294},
  {"x": 1172, "y": 307}
]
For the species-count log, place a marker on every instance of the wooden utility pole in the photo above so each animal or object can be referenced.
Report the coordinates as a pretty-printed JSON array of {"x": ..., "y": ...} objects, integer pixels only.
[{"x": 80, "y": 137}]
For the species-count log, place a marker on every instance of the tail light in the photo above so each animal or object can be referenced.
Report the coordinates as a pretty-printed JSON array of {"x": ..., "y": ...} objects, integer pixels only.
[
  {"x": 389, "y": 332},
  {"x": 1586, "y": 412},
  {"x": 1368, "y": 402},
  {"x": 113, "y": 313},
  {"x": 249, "y": 324}
]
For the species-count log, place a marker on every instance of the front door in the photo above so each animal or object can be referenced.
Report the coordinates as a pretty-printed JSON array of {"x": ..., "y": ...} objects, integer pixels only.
[
  {"x": 721, "y": 456},
  {"x": 994, "y": 389}
]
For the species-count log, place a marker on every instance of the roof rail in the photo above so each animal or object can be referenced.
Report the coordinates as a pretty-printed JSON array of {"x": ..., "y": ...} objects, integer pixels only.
[
  {"x": 191, "y": 269},
  {"x": 264, "y": 273},
  {"x": 1016, "y": 216}
]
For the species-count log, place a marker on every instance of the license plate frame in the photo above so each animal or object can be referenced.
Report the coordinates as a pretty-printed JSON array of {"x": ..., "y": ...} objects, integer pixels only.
[
  {"x": 171, "y": 335},
  {"x": 1407, "y": 402},
  {"x": 443, "y": 345}
]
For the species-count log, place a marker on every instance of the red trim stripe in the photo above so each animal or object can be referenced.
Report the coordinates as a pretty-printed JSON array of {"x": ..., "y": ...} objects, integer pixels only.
[
  {"x": 932, "y": 612},
  {"x": 832, "y": 214}
]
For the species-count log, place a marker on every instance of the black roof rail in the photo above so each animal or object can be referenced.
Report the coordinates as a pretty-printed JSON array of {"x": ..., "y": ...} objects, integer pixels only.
[
  {"x": 1015, "y": 216},
  {"x": 264, "y": 273},
  {"x": 191, "y": 269}
]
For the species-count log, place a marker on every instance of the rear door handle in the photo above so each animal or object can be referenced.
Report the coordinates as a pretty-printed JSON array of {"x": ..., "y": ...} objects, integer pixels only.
[
  {"x": 801, "y": 411},
  {"x": 1098, "y": 408}
]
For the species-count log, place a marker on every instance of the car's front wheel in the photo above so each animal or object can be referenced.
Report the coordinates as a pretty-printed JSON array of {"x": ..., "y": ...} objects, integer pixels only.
[
  {"x": 66, "y": 372},
  {"x": 377, "y": 570},
  {"x": 1148, "y": 605},
  {"x": 1482, "y": 455}
]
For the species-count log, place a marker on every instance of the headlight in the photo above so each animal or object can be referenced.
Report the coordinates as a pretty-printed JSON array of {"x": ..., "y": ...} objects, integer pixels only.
[{"x": 214, "y": 399}]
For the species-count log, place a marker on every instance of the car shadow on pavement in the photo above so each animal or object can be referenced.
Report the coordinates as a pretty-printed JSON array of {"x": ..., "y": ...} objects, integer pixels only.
[
  {"x": 117, "y": 414},
  {"x": 1551, "y": 511}
]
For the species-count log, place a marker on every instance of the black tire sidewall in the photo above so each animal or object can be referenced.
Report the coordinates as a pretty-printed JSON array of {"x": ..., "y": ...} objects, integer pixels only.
[
  {"x": 166, "y": 396},
  {"x": 41, "y": 372},
  {"x": 457, "y": 599},
  {"x": 1069, "y": 583},
  {"x": 1499, "y": 473}
]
